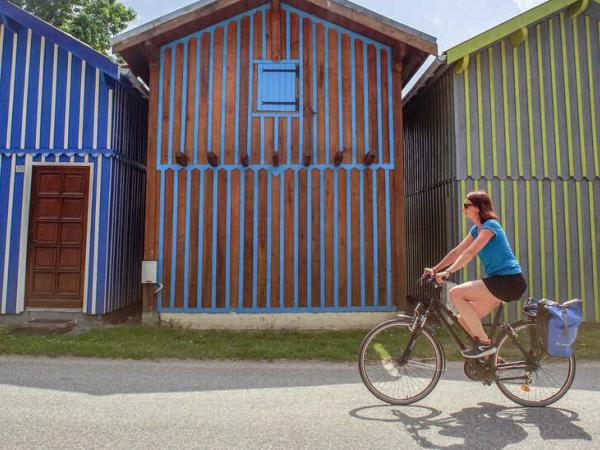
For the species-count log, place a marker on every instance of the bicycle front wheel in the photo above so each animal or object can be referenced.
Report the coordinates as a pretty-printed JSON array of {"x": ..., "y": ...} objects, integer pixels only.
[
  {"x": 394, "y": 375},
  {"x": 527, "y": 375}
]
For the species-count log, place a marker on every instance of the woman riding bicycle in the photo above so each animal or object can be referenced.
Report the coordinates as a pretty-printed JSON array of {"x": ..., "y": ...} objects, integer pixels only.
[{"x": 503, "y": 282}]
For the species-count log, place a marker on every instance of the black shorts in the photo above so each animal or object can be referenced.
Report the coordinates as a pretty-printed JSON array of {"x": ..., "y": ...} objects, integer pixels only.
[{"x": 507, "y": 288}]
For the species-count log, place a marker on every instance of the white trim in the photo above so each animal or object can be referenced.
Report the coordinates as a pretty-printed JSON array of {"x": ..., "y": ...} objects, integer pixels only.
[
  {"x": 25, "y": 90},
  {"x": 24, "y": 241},
  {"x": 11, "y": 95},
  {"x": 39, "y": 93},
  {"x": 96, "y": 94},
  {"x": 24, "y": 248},
  {"x": 96, "y": 232},
  {"x": 110, "y": 120},
  {"x": 53, "y": 108},
  {"x": 8, "y": 231},
  {"x": 67, "y": 101},
  {"x": 81, "y": 105}
]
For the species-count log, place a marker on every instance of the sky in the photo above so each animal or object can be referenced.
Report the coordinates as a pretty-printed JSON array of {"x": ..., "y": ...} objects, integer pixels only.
[{"x": 450, "y": 21}]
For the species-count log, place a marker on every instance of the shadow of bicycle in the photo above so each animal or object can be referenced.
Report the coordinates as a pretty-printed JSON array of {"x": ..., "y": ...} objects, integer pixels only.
[{"x": 486, "y": 426}]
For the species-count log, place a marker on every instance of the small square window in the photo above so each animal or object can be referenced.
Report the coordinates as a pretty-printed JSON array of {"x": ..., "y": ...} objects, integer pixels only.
[{"x": 277, "y": 87}]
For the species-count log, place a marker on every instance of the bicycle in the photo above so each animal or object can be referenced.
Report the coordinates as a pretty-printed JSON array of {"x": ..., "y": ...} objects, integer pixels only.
[{"x": 401, "y": 360}]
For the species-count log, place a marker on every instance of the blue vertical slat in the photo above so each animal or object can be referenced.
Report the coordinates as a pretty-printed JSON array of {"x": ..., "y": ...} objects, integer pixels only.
[
  {"x": 200, "y": 240},
  {"x": 269, "y": 237},
  {"x": 241, "y": 248},
  {"x": 91, "y": 273},
  {"x": 61, "y": 92},
  {"x": 335, "y": 241},
  {"x": 47, "y": 98},
  {"x": 390, "y": 106},
  {"x": 255, "y": 240},
  {"x": 348, "y": 240},
  {"x": 186, "y": 263},
  {"x": 379, "y": 113},
  {"x": 210, "y": 91},
  {"x": 103, "y": 234},
  {"x": 388, "y": 241},
  {"x": 214, "y": 238},
  {"x": 223, "y": 86},
  {"x": 366, "y": 96},
  {"x": 228, "y": 244},
  {"x": 15, "y": 233},
  {"x": 353, "y": 93},
  {"x": 339, "y": 92},
  {"x": 88, "y": 118},
  {"x": 296, "y": 238},
  {"x": 184, "y": 95},
  {"x": 327, "y": 97},
  {"x": 362, "y": 235},
  {"x": 238, "y": 42},
  {"x": 74, "y": 105},
  {"x": 375, "y": 243},
  {"x": 314, "y": 83},
  {"x": 281, "y": 237},
  {"x": 308, "y": 238},
  {"x": 172, "y": 103},
  {"x": 19, "y": 86},
  {"x": 250, "y": 85},
  {"x": 161, "y": 233},
  {"x": 197, "y": 100},
  {"x": 34, "y": 68},
  {"x": 322, "y": 238}
]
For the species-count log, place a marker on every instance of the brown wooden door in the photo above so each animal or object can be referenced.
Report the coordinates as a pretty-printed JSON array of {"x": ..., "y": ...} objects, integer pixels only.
[{"x": 57, "y": 237}]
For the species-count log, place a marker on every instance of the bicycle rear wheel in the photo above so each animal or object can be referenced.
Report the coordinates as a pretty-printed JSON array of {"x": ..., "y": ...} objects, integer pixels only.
[
  {"x": 389, "y": 377},
  {"x": 539, "y": 384}
]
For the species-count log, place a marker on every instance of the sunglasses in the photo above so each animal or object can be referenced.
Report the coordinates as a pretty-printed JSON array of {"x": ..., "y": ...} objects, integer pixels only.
[{"x": 467, "y": 205}]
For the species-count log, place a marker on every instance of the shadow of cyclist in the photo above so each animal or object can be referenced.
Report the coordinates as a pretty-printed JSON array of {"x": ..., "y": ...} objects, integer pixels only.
[{"x": 486, "y": 426}]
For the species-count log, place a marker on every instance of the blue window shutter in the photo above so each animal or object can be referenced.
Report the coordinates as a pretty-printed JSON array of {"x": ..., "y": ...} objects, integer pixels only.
[{"x": 277, "y": 86}]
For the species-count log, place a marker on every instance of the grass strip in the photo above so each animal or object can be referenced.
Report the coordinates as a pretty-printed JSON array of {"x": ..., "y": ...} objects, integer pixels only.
[{"x": 137, "y": 341}]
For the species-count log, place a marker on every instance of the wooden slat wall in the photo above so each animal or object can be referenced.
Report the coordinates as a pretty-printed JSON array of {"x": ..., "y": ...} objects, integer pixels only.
[{"x": 277, "y": 238}]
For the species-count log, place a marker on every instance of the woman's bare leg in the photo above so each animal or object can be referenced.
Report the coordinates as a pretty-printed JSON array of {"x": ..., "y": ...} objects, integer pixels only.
[{"x": 473, "y": 301}]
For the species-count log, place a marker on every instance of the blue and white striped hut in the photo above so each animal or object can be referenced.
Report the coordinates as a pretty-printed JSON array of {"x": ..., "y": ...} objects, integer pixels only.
[{"x": 72, "y": 172}]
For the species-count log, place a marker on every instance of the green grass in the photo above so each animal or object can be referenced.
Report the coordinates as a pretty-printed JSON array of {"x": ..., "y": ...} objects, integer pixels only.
[{"x": 146, "y": 342}]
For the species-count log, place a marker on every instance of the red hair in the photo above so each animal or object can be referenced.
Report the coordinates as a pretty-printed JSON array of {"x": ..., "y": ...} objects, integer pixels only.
[{"x": 481, "y": 200}]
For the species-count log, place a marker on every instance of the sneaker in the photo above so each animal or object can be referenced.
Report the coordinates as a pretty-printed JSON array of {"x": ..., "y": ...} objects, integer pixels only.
[{"x": 479, "y": 350}]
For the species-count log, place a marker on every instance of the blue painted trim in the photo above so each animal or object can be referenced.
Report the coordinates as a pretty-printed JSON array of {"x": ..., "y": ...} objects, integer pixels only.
[
  {"x": 288, "y": 137},
  {"x": 269, "y": 239},
  {"x": 295, "y": 239},
  {"x": 197, "y": 100},
  {"x": 375, "y": 242},
  {"x": 228, "y": 243},
  {"x": 184, "y": 98},
  {"x": 214, "y": 238},
  {"x": 390, "y": 107},
  {"x": 223, "y": 90},
  {"x": 388, "y": 247},
  {"x": 275, "y": 114},
  {"x": 301, "y": 90},
  {"x": 242, "y": 238},
  {"x": 366, "y": 97},
  {"x": 161, "y": 234},
  {"x": 270, "y": 61},
  {"x": 171, "y": 104},
  {"x": 275, "y": 134},
  {"x": 379, "y": 110},
  {"x": 188, "y": 199},
  {"x": 336, "y": 262},
  {"x": 353, "y": 93},
  {"x": 322, "y": 240},
  {"x": 277, "y": 310},
  {"x": 266, "y": 166},
  {"x": 326, "y": 24},
  {"x": 174, "y": 236},
  {"x": 200, "y": 240},
  {"x": 55, "y": 35},
  {"x": 348, "y": 239},
  {"x": 255, "y": 240},
  {"x": 362, "y": 235},
  {"x": 238, "y": 28}
]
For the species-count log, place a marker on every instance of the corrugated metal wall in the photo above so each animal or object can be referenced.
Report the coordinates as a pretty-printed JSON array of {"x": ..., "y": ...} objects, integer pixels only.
[
  {"x": 429, "y": 160},
  {"x": 532, "y": 115},
  {"x": 266, "y": 238},
  {"x": 56, "y": 108}
]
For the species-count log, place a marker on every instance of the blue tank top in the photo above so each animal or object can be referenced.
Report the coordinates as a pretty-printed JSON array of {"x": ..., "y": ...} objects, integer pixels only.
[{"x": 497, "y": 256}]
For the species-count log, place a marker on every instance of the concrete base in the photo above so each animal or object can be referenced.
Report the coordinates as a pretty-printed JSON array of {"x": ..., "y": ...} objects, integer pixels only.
[{"x": 303, "y": 321}]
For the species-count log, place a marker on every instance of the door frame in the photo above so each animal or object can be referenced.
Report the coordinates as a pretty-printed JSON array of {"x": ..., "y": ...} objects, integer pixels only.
[{"x": 25, "y": 209}]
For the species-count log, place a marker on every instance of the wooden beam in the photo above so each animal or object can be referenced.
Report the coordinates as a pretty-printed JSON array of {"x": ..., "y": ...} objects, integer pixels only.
[
  {"x": 519, "y": 36},
  {"x": 461, "y": 65},
  {"x": 577, "y": 8}
]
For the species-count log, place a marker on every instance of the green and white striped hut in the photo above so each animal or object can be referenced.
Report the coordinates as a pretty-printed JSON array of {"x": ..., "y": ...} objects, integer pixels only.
[{"x": 514, "y": 111}]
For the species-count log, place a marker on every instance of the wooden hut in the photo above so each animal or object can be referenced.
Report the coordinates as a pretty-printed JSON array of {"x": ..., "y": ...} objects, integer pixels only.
[
  {"x": 275, "y": 178},
  {"x": 72, "y": 155},
  {"x": 514, "y": 111}
]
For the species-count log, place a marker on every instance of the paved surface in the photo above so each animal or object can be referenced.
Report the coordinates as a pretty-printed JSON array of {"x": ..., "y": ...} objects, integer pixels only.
[{"x": 90, "y": 403}]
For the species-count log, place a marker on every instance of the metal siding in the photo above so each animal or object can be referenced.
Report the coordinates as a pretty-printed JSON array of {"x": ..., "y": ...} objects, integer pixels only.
[
  {"x": 301, "y": 280},
  {"x": 47, "y": 107}
]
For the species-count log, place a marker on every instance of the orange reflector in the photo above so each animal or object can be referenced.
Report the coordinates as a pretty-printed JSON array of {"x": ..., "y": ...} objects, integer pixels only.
[{"x": 525, "y": 388}]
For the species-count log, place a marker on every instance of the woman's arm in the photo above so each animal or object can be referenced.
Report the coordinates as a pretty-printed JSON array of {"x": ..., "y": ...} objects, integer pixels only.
[
  {"x": 465, "y": 257},
  {"x": 453, "y": 254}
]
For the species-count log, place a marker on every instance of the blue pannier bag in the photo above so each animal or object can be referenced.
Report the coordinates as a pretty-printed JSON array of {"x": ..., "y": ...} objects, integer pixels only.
[{"x": 557, "y": 326}]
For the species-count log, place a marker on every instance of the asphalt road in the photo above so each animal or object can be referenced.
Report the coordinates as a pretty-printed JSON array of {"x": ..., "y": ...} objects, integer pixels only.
[{"x": 91, "y": 403}]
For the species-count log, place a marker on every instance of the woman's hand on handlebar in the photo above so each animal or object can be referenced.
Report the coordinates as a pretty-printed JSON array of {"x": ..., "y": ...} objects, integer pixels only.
[
  {"x": 428, "y": 273},
  {"x": 442, "y": 276}
]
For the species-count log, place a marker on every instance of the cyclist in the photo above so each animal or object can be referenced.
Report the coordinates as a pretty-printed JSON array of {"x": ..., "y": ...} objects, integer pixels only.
[{"x": 503, "y": 282}]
